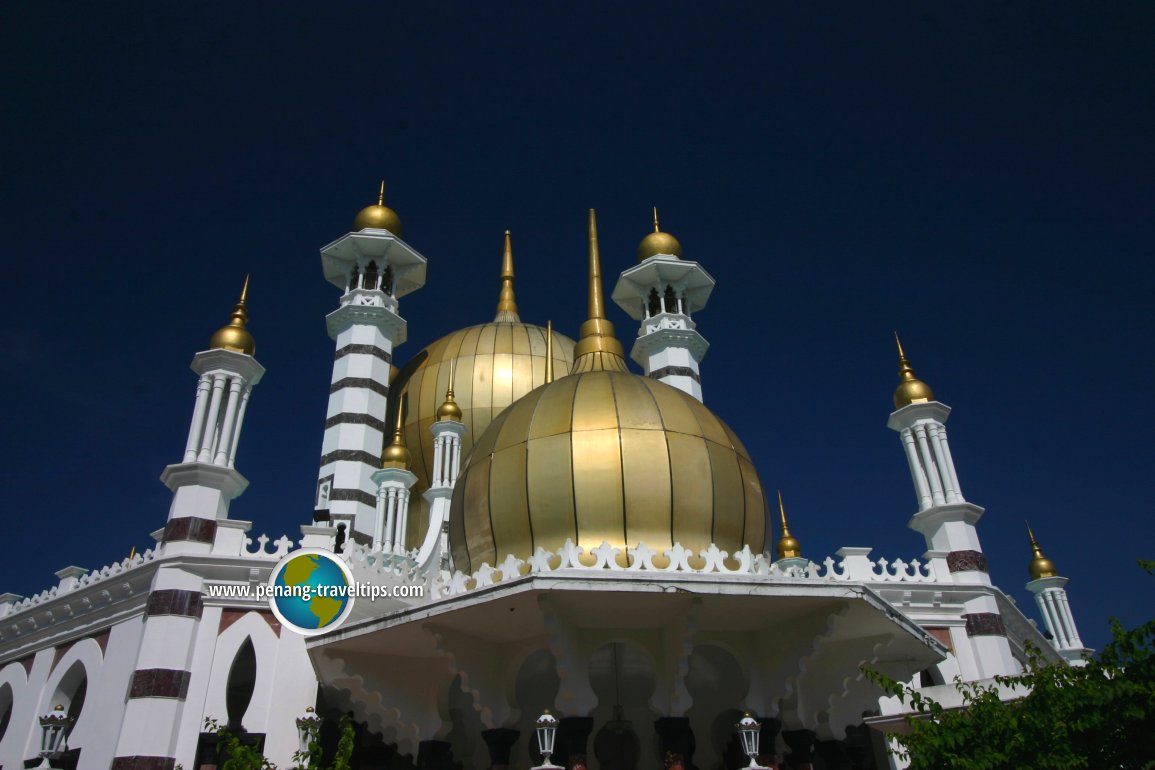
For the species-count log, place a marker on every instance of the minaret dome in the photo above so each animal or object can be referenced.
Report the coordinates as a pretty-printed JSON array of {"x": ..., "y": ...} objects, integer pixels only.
[
  {"x": 910, "y": 390},
  {"x": 378, "y": 216},
  {"x": 234, "y": 336},
  {"x": 658, "y": 242}
]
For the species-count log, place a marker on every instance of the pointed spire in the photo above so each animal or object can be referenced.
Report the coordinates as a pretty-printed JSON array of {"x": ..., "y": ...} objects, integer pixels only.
[
  {"x": 597, "y": 348},
  {"x": 788, "y": 546},
  {"x": 911, "y": 390},
  {"x": 449, "y": 409},
  {"x": 396, "y": 455},
  {"x": 235, "y": 336},
  {"x": 506, "y": 302},
  {"x": 656, "y": 228},
  {"x": 381, "y": 194},
  {"x": 548, "y": 352},
  {"x": 1040, "y": 566}
]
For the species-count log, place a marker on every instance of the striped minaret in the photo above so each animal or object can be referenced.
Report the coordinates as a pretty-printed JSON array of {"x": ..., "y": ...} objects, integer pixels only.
[
  {"x": 206, "y": 481},
  {"x": 203, "y": 485},
  {"x": 373, "y": 267},
  {"x": 947, "y": 521}
]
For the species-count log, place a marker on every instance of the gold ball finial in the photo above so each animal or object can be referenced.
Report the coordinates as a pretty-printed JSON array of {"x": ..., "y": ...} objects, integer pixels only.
[
  {"x": 788, "y": 545},
  {"x": 910, "y": 390},
  {"x": 449, "y": 409},
  {"x": 396, "y": 455},
  {"x": 234, "y": 336},
  {"x": 378, "y": 216},
  {"x": 658, "y": 242},
  {"x": 1040, "y": 566}
]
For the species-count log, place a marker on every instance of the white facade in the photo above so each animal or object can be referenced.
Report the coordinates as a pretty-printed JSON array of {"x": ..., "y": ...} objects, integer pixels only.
[{"x": 614, "y": 639}]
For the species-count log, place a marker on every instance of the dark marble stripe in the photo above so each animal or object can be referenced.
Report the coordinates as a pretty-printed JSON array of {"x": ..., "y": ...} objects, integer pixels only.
[
  {"x": 352, "y": 455},
  {"x": 368, "y": 350},
  {"x": 143, "y": 763},
  {"x": 355, "y": 418},
  {"x": 985, "y": 624},
  {"x": 159, "y": 683},
  {"x": 966, "y": 561},
  {"x": 358, "y": 495},
  {"x": 360, "y": 382},
  {"x": 670, "y": 371},
  {"x": 190, "y": 528},
  {"x": 174, "y": 601}
]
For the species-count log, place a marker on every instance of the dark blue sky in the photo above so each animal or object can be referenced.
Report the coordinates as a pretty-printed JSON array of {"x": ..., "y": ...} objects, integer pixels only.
[{"x": 981, "y": 179}]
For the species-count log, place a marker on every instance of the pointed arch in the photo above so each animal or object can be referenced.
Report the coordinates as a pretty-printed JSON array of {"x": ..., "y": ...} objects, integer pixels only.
[
  {"x": 253, "y": 631},
  {"x": 76, "y": 674},
  {"x": 13, "y": 684}
]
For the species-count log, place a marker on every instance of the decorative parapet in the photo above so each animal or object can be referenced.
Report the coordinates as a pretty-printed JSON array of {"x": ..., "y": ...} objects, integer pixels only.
[
  {"x": 73, "y": 582},
  {"x": 854, "y": 566}
]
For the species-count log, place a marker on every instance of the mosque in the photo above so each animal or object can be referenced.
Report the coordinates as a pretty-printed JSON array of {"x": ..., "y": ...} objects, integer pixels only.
[{"x": 548, "y": 531}]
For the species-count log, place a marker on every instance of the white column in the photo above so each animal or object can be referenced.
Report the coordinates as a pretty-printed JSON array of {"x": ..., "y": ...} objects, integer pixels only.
[
  {"x": 204, "y": 385},
  {"x": 402, "y": 497},
  {"x": 916, "y": 472},
  {"x": 1070, "y": 618},
  {"x": 390, "y": 521},
  {"x": 231, "y": 405},
  {"x": 240, "y": 421},
  {"x": 207, "y": 437},
  {"x": 943, "y": 466},
  {"x": 950, "y": 462},
  {"x": 928, "y": 463}
]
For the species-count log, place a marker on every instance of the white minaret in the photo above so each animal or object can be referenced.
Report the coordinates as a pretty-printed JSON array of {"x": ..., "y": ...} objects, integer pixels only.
[
  {"x": 1050, "y": 590},
  {"x": 947, "y": 521},
  {"x": 661, "y": 291},
  {"x": 206, "y": 480},
  {"x": 203, "y": 484},
  {"x": 447, "y": 433},
  {"x": 373, "y": 267}
]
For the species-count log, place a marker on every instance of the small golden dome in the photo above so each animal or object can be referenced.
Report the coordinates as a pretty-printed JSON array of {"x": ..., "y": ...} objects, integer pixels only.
[
  {"x": 449, "y": 410},
  {"x": 1040, "y": 566},
  {"x": 396, "y": 455},
  {"x": 234, "y": 336},
  {"x": 788, "y": 545},
  {"x": 658, "y": 242},
  {"x": 910, "y": 390},
  {"x": 378, "y": 216}
]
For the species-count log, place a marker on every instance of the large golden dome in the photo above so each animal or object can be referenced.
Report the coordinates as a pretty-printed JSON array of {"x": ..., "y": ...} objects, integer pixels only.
[
  {"x": 494, "y": 365},
  {"x": 604, "y": 455}
]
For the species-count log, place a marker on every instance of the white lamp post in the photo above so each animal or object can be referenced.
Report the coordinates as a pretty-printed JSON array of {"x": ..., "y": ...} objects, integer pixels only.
[
  {"x": 750, "y": 731},
  {"x": 308, "y": 728},
  {"x": 546, "y": 728},
  {"x": 54, "y": 727}
]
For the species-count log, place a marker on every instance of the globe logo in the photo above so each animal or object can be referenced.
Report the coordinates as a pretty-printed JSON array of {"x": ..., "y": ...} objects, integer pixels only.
[{"x": 311, "y": 591}]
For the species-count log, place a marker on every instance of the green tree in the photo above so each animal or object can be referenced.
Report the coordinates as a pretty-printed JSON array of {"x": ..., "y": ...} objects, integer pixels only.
[
  {"x": 240, "y": 756},
  {"x": 1101, "y": 715}
]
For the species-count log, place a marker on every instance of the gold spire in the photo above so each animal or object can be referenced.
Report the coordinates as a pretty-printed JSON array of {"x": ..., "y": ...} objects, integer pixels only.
[
  {"x": 911, "y": 390},
  {"x": 597, "y": 348},
  {"x": 548, "y": 352},
  {"x": 378, "y": 216},
  {"x": 658, "y": 242},
  {"x": 506, "y": 303},
  {"x": 449, "y": 410},
  {"x": 234, "y": 336},
  {"x": 788, "y": 546},
  {"x": 396, "y": 455},
  {"x": 1040, "y": 566}
]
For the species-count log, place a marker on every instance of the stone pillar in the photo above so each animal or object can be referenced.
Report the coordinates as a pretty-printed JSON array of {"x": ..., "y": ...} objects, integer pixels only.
[
  {"x": 801, "y": 745},
  {"x": 500, "y": 742}
]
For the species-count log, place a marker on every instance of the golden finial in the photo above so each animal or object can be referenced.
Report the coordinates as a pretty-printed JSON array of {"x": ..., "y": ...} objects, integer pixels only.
[
  {"x": 597, "y": 348},
  {"x": 1040, "y": 566},
  {"x": 234, "y": 336},
  {"x": 658, "y": 242},
  {"x": 506, "y": 303},
  {"x": 548, "y": 352},
  {"x": 378, "y": 216},
  {"x": 911, "y": 390},
  {"x": 449, "y": 409},
  {"x": 788, "y": 546},
  {"x": 396, "y": 455},
  {"x": 132, "y": 553}
]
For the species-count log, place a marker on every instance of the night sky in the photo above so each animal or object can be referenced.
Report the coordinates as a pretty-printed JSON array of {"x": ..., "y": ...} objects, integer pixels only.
[{"x": 980, "y": 178}]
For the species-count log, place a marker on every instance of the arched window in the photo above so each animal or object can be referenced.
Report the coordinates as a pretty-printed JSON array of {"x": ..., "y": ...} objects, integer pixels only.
[
  {"x": 241, "y": 683},
  {"x": 655, "y": 302},
  {"x": 6, "y": 702},
  {"x": 671, "y": 300},
  {"x": 370, "y": 279},
  {"x": 354, "y": 274}
]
